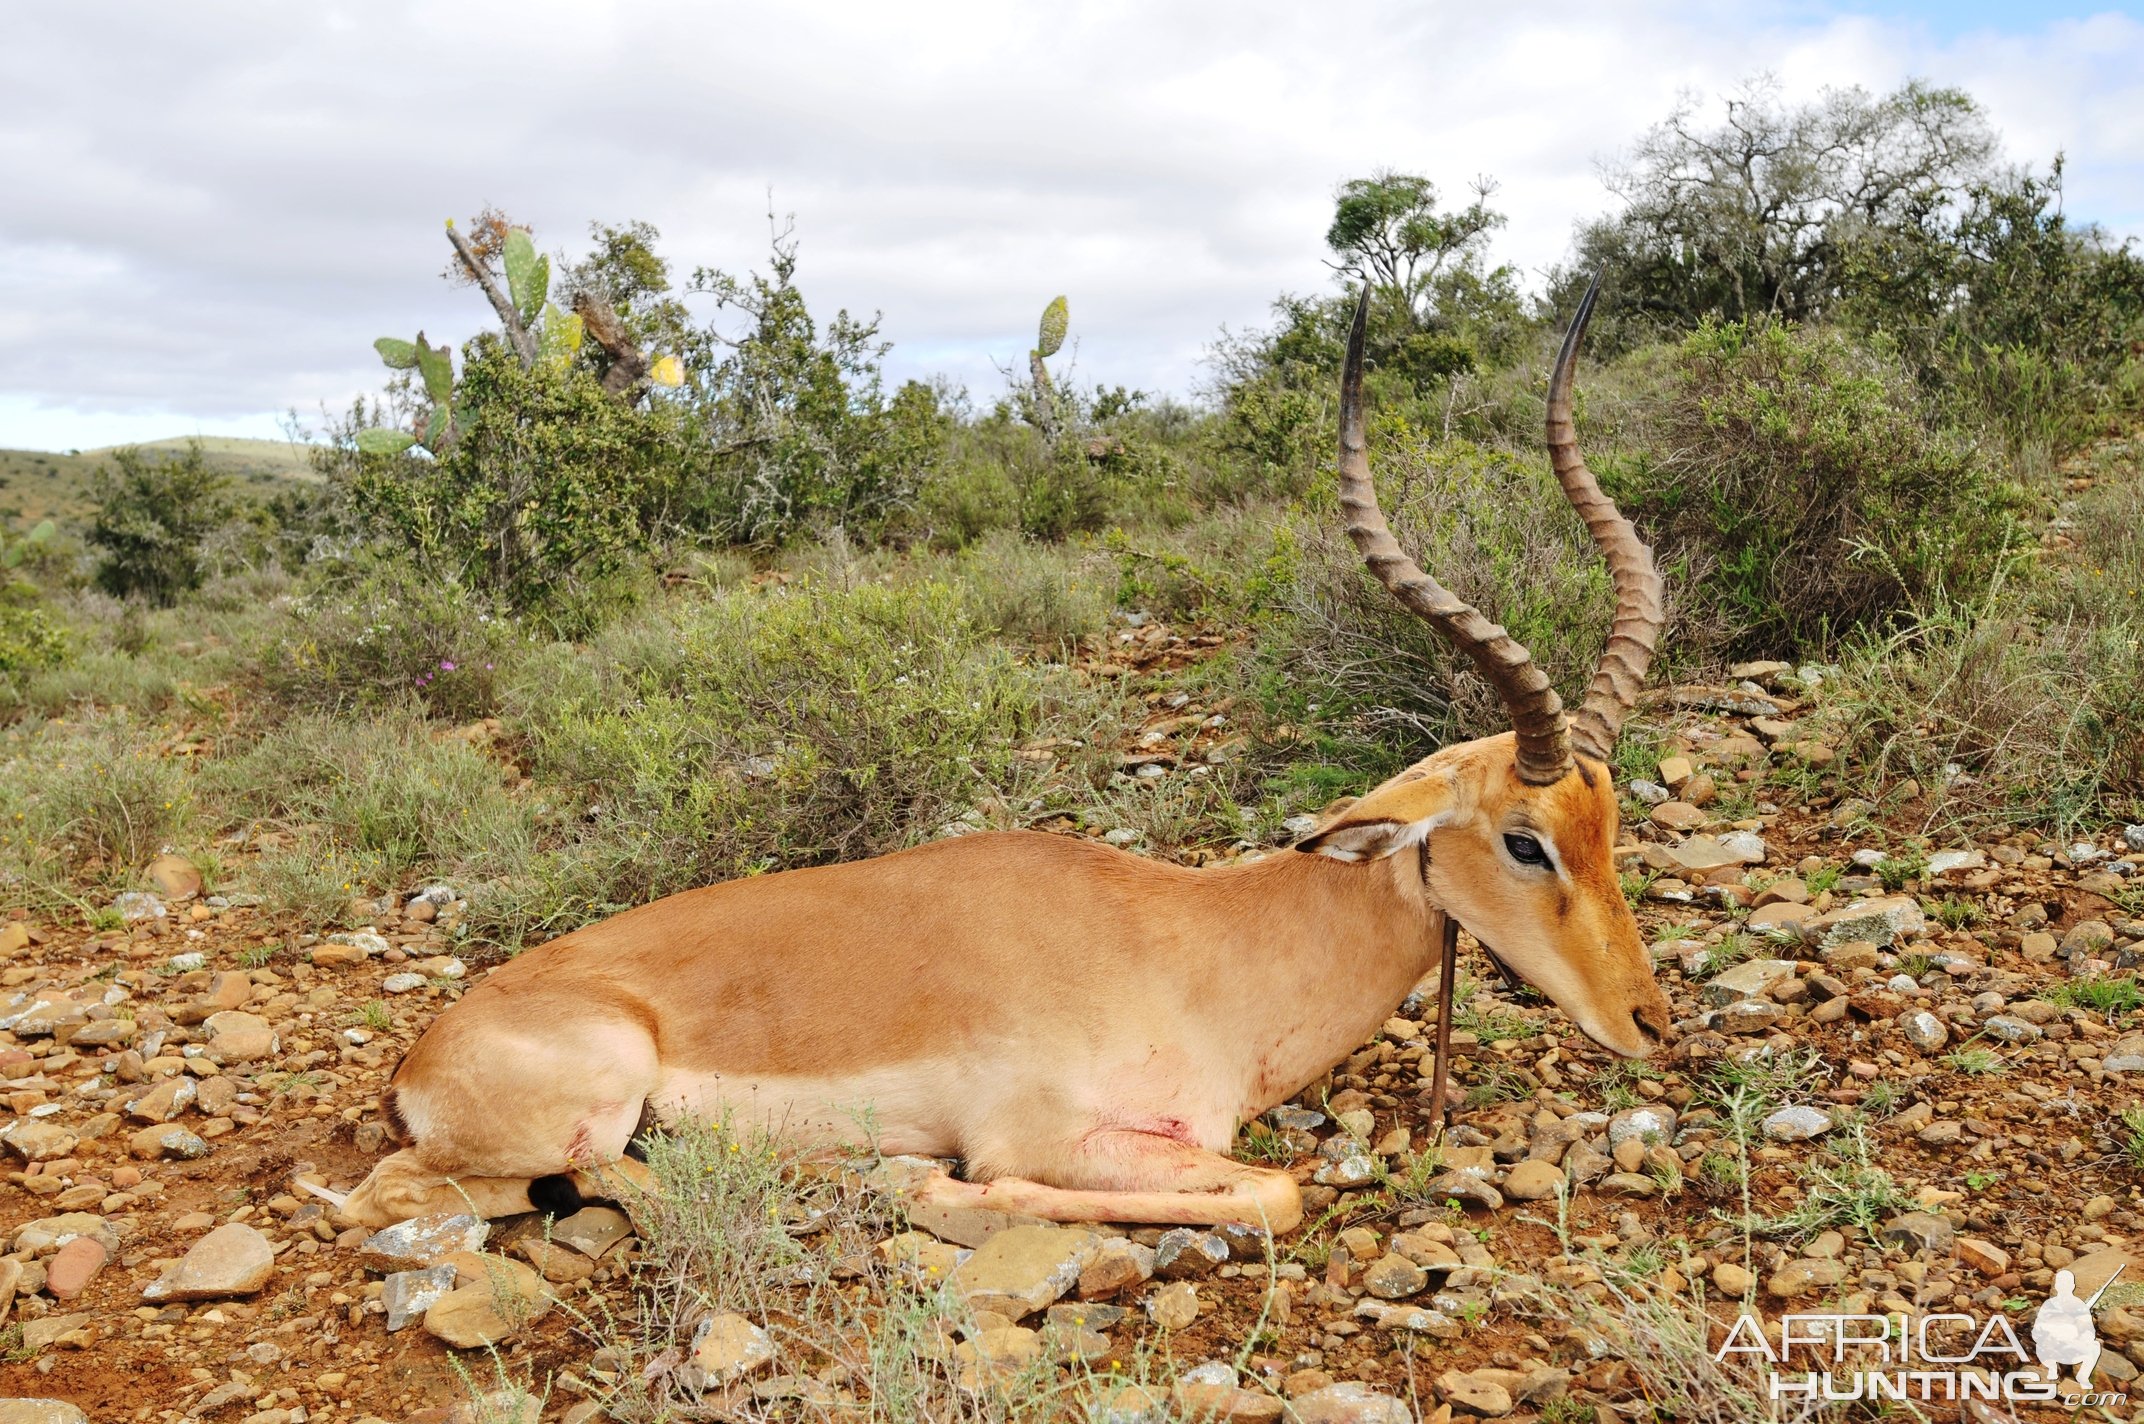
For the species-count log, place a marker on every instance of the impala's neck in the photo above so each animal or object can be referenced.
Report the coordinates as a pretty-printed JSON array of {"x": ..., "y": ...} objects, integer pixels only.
[{"x": 1312, "y": 956}]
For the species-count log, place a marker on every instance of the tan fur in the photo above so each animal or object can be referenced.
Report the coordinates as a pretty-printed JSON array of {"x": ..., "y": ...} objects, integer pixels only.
[{"x": 1084, "y": 1028}]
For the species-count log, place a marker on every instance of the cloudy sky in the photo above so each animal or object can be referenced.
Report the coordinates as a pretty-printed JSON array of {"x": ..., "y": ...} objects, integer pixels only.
[{"x": 208, "y": 210}]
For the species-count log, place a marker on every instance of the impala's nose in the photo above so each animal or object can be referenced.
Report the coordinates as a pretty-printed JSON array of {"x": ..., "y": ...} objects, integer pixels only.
[{"x": 1651, "y": 1021}]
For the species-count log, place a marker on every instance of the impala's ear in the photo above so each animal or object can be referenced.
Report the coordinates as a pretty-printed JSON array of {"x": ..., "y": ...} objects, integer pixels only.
[{"x": 1398, "y": 814}]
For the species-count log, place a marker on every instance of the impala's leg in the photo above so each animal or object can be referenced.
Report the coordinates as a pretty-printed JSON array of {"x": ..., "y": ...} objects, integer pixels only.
[
  {"x": 401, "y": 1187},
  {"x": 485, "y": 1120},
  {"x": 1139, "y": 1176}
]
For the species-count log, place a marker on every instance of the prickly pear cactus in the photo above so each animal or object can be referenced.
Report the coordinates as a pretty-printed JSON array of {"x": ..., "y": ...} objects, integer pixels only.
[
  {"x": 528, "y": 276},
  {"x": 434, "y": 366},
  {"x": 1050, "y": 339}
]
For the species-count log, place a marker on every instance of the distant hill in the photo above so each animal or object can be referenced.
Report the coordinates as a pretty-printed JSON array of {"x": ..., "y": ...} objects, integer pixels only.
[{"x": 37, "y": 484}]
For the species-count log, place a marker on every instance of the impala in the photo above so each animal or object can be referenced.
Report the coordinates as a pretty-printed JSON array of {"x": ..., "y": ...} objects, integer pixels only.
[{"x": 1083, "y": 1028}]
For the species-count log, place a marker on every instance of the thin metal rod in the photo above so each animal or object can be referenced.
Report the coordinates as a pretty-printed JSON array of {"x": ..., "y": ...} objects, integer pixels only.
[{"x": 1447, "y": 979}]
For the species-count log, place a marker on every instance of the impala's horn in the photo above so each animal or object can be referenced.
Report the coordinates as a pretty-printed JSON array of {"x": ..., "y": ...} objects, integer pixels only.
[
  {"x": 1634, "y": 636},
  {"x": 1536, "y": 710}
]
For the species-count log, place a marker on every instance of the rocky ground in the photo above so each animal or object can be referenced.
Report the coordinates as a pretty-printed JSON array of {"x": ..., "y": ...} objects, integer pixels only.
[{"x": 1898, "y": 1086}]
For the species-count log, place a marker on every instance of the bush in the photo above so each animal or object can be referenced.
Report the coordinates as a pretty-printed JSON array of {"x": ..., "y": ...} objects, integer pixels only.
[
  {"x": 550, "y": 483},
  {"x": 152, "y": 519},
  {"x": 91, "y": 801},
  {"x": 385, "y": 632},
  {"x": 801, "y": 427},
  {"x": 2035, "y": 694},
  {"x": 29, "y": 639},
  {"x": 1791, "y": 468},
  {"x": 1372, "y": 686},
  {"x": 386, "y": 799},
  {"x": 771, "y": 727}
]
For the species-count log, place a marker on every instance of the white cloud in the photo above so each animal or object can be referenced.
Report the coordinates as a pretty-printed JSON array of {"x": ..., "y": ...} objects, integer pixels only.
[{"x": 213, "y": 208}]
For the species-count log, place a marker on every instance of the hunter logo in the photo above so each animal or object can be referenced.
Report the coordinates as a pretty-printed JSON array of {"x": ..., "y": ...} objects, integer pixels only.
[{"x": 1939, "y": 1357}]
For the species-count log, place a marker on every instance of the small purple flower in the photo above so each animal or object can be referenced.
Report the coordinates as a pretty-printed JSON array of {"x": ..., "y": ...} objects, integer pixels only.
[{"x": 445, "y": 666}]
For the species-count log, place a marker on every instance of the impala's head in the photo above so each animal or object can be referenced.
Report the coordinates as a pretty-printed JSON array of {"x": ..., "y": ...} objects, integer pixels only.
[{"x": 1515, "y": 834}]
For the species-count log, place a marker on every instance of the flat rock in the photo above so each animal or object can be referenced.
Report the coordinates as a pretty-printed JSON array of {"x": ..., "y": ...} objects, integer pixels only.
[
  {"x": 174, "y": 876},
  {"x": 1700, "y": 853},
  {"x": 1805, "y": 1277},
  {"x": 556, "y": 1263},
  {"x": 1469, "y": 1393},
  {"x": 409, "y": 1294},
  {"x": 47, "y": 1331},
  {"x": 1533, "y": 1180},
  {"x": 232, "y": 1260},
  {"x": 1350, "y": 1403},
  {"x": 2010, "y": 1029},
  {"x": 48, "y": 1232},
  {"x": 1919, "y": 1231},
  {"x": 34, "y": 1140},
  {"x": 41, "y": 1411},
  {"x": 236, "y": 1036},
  {"x": 1021, "y": 1271},
  {"x": 1678, "y": 816},
  {"x": 1798, "y": 1123},
  {"x": 1983, "y": 1256},
  {"x": 1466, "y": 1188},
  {"x": 1412, "y": 1319},
  {"x": 1394, "y": 1277},
  {"x": 165, "y": 1101},
  {"x": 473, "y": 1316},
  {"x": 1183, "y": 1254},
  {"x": 1881, "y": 921},
  {"x": 1745, "y": 1016},
  {"x": 729, "y": 1347},
  {"x": 423, "y": 1241},
  {"x": 1117, "y": 1266},
  {"x": 593, "y": 1230},
  {"x": 75, "y": 1265},
  {"x": 1954, "y": 862},
  {"x": 1747, "y": 980},
  {"x": 168, "y": 1140}
]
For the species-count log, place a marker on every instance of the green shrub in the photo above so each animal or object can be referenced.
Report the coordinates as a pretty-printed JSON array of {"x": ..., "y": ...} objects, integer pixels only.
[
  {"x": 1792, "y": 468},
  {"x": 395, "y": 799},
  {"x": 152, "y": 518},
  {"x": 29, "y": 638},
  {"x": 1043, "y": 596},
  {"x": 771, "y": 727},
  {"x": 385, "y": 632},
  {"x": 1374, "y": 686},
  {"x": 89, "y": 803},
  {"x": 802, "y": 430},
  {"x": 2036, "y": 694},
  {"x": 549, "y": 483}
]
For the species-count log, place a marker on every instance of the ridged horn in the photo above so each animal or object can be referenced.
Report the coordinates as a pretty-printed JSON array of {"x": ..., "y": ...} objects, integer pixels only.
[
  {"x": 1634, "y": 636},
  {"x": 1544, "y": 754}
]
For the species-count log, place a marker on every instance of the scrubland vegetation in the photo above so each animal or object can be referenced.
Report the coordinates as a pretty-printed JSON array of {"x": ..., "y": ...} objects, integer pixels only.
[
  {"x": 652, "y": 581},
  {"x": 577, "y": 621}
]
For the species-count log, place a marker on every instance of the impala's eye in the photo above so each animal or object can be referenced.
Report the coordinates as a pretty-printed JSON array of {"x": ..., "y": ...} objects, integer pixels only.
[{"x": 1525, "y": 850}]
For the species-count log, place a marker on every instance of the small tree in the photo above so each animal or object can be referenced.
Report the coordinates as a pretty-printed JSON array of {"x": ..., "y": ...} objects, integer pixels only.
[
  {"x": 798, "y": 420},
  {"x": 1755, "y": 216},
  {"x": 152, "y": 519}
]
